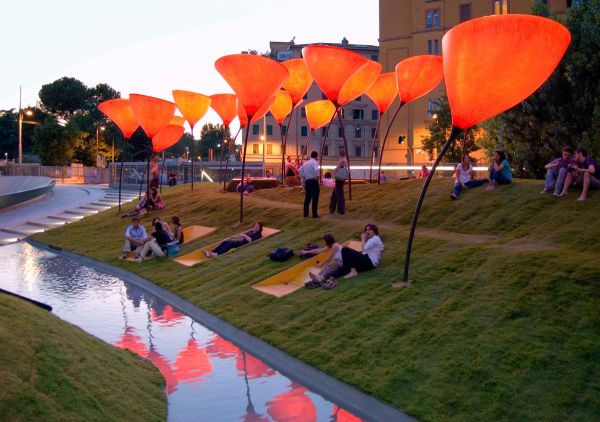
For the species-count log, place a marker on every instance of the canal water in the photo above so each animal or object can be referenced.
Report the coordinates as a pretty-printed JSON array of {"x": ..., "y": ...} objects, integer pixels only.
[{"x": 207, "y": 378}]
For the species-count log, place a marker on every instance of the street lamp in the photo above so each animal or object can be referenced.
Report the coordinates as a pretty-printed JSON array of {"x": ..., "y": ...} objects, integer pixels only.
[
  {"x": 28, "y": 113},
  {"x": 98, "y": 129}
]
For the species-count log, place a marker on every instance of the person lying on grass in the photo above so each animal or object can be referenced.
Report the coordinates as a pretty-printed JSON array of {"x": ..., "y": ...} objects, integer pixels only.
[
  {"x": 153, "y": 245},
  {"x": 463, "y": 177},
  {"x": 329, "y": 265},
  {"x": 238, "y": 240},
  {"x": 500, "y": 172},
  {"x": 585, "y": 173},
  {"x": 354, "y": 262}
]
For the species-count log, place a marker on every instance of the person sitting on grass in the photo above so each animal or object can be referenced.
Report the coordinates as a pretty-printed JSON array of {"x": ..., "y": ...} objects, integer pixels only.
[
  {"x": 269, "y": 175},
  {"x": 328, "y": 181},
  {"x": 238, "y": 240},
  {"x": 463, "y": 177},
  {"x": 142, "y": 207},
  {"x": 586, "y": 172},
  {"x": 354, "y": 262},
  {"x": 153, "y": 245},
  {"x": 329, "y": 265},
  {"x": 135, "y": 235},
  {"x": 423, "y": 173},
  {"x": 557, "y": 171},
  {"x": 156, "y": 201},
  {"x": 500, "y": 172},
  {"x": 172, "y": 178},
  {"x": 383, "y": 177},
  {"x": 177, "y": 230},
  {"x": 248, "y": 186},
  {"x": 165, "y": 225}
]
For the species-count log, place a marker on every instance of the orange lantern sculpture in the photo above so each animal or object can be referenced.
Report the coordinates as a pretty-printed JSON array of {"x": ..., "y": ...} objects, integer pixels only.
[
  {"x": 193, "y": 107},
  {"x": 153, "y": 114},
  {"x": 226, "y": 107},
  {"x": 281, "y": 108},
  {"x": 318, "y": 114},
  {"x": 297, "y": 86},
  {"x": 415, "y": 77},
  {"x": 177, "y": 120},
  {"x": 383, "y": 93},
  {"x": 515, "y": 54},
  {"x": 167, "y": 137},
  {"x": 119, "y": 111},
  {"x": 255, "y": 79},
  {"x": 332, "y": 68}
]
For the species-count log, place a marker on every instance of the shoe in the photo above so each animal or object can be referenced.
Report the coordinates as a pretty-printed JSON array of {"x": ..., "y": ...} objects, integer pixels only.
[
  {"x": 315, "y": 277},
  {"x": 316, "y": 216},
  {"x": 330, "y": 283},
  {"x": 545, "y": 191},
  {"x": 453, "y": 196},
  {"x": 138, "y": 259}
]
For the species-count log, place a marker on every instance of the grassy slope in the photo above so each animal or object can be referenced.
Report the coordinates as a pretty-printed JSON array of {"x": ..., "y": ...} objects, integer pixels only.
[
  {"x": 52, "y": 371},
  {"x": 502, "y": 320}
]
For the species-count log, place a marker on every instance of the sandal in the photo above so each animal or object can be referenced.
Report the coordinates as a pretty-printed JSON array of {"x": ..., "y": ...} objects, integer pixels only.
[
  {"x": 330, "y": 283},
  {"x": 312, "y": 284}
]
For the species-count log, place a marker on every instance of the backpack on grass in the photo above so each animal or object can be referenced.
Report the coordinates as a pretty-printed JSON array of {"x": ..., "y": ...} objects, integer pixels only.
[{"x": 281, "y": 254}]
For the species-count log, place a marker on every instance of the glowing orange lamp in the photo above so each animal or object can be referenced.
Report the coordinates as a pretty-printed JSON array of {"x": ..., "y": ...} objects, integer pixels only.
[
  {"x": 193, "y": 106},
  {"x": 255, "y": 79},
  {"x": 226, "y": 107},
  {"x": 280, "y": 109},
  {"x": 318, "y": 114},
  {"x": 415, "y": 77},
  {"x": 119, "y": 111},
  {"x": 359, "y": 82},
  {"x": 383, "y": 93},
  {"x": 167, "y": 137},
  {"x": 153, "y": 114},
  {"x": 177, "y": 120},
  {"x": 515, "y": 54},
  {"x": 241, "y": 114}
]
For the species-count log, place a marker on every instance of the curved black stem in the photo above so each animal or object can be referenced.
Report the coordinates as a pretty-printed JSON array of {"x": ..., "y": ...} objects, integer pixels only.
[
  {"x": 387, "y": 132},
  {"x": 231, "y": 146},
  {"x": 192, "y": 132},
  {"x": 323, "y": 148},
  {"x": 373, "y": 148},
  {"x": 242, "y": 179},
  {"x": 162, "y": 168},
  {"x": 453, "y": 135},
  {"x": 121, "y": 176},
  {"x": 284, "y": 143},
  {"x": 337, "y": 110}
]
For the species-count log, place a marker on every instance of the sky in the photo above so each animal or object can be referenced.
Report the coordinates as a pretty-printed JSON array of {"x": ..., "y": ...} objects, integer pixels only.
[{"x": 154, "y": 46}]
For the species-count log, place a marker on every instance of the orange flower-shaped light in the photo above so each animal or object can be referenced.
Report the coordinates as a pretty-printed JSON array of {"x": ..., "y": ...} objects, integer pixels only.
[
  {"x": 293, "y": 405},
  {"x": 152, "y": 113},
  {"x": 319, "y": 113},
  {"x": 282, "y": 106},
  {"x": 167, "y": 137},
  {"x": 359, "y": 82},
  {"x": 513, "y": 56},
  {"x": 254, "y": 79},
  {"x": 193, "y": 106},
  {"x": 263, "y": 109},
  {"x": 225, "y": 106},
  {"x": 299, "y": 81},
  {"x": 383, "y": 92},
  {"x": 241, "y": 113},
  {"x": 192, "y": 363},
  {"x": 119, "y": 111},
  {"x": 177, "y": 120},
  {"x": 418, "y": 75},
  {"x": 331, "y": 67}
]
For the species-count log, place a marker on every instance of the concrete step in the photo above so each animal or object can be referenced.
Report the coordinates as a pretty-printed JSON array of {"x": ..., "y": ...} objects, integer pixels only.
[
  {"x": 47, "y": 222},
  {"x": 8, "y": 238},
  {"x": 100, "y": 205},
  {"x": 80, "y": 211},
  {"x": 99, "y": 208},
  {"x": 24, "y": 229},
  {"x": 108, "y": 201},
  {"x": 67, "y": 216}
]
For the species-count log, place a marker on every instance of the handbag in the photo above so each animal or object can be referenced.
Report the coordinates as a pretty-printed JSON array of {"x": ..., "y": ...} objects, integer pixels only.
[{"x": 341, "y": 174}]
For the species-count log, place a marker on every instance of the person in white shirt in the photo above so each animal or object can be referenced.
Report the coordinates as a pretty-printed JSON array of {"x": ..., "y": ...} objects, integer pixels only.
[
  {"x": 354, "y": 262},
  {"x": 310, "y": 174},
  {"x": 135, "y": 237},
  {"x": 463, "y": 177}
]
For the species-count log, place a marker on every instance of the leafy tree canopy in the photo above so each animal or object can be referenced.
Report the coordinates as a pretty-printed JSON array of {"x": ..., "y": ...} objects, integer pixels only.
[{"x": 64, "y": 97}]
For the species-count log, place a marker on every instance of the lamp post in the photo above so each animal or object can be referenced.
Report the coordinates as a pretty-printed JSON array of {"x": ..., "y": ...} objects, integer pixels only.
[{"x": 21, "y": 121}]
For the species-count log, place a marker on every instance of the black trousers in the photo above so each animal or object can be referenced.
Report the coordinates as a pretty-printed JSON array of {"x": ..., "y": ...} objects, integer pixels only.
[
  {"x": 337, "y": 198},
  {"x": 311, "y": 193},
  {"x": 353, "y": 259},
  {"x": 227, "y": 245}
]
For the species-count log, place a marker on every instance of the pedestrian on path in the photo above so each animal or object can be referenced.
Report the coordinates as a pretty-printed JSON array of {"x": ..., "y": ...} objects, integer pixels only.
[{"x": 310, "y": 174}]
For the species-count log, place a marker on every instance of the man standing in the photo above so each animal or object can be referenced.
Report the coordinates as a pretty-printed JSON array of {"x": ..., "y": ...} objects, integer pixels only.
[
  {"x": 135, "y": 237},
  {"x": 310, "y": 174}
]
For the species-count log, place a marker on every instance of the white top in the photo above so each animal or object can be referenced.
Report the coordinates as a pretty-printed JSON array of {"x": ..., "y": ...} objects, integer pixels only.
[
  {"x": 463, "y": 175},
  {"x": 329, "y": 183},
  {"x": 373, "y": 248},
  {"x": 139, "y": 234},
  {"x": 309, "y": 170}
]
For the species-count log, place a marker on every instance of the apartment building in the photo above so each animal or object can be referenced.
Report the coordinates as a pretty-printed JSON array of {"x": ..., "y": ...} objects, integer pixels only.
[
  {"x": 411, "y": 27},
  {"x": 358, "y": 118}
]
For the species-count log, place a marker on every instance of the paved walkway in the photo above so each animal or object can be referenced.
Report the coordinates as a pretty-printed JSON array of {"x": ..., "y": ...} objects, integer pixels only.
[{"x": 64, "y": 205}]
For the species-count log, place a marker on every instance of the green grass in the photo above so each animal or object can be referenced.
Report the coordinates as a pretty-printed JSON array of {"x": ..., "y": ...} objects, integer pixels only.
[
  {"x": 501, "y": 322},
  {"x": 52, "y": 371}
]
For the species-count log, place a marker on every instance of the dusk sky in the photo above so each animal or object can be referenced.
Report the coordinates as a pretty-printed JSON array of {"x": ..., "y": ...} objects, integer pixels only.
[{"x": 153, "y": 46}]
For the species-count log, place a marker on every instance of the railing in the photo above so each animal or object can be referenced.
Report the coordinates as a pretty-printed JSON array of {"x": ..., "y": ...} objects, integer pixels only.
[{"x": 75, "y": 173}]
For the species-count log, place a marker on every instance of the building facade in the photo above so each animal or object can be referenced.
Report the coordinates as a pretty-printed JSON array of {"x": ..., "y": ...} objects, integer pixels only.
[
  {"x": 359, "y": 118},
  {"x": 412, "y": 27}
]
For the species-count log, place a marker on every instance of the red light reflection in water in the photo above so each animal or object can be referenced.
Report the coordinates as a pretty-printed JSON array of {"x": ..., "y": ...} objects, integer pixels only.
[
  {"x": 341, "y": 415},
  {"x": 192, "y": 363},
  {"x": 293, "y": 405},
  {"x": 169, "y": 316},
  {"x": 164, "y": 367},
  {"x": 132, "y": 342}
]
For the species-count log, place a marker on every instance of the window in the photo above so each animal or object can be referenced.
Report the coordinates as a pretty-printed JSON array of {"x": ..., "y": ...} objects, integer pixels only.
[
  {"x": 325, "y": 150},
  {"x": 283, "y": 130},
  {"x": 358, "y": 114},
  {"x": 433, "y": 106},
  {"x": 375, "y": 57},
  {"x": 465, "y": 12},
  {"x": 358, "y": 98},
  {"x": 303, "y": 112},
  {"x": 374, "y": 114},
  {"x": 372, "y": 132},
  {"x": 270, "y": 149},
  {"x": 340, "y": 132},
  {"x": 323, "y": 131},
  {"x": 500, "y": 7},
  {"x": 269, "y": 130},
  {"x": 358, "y": 151},
  {"x": 432, "y": 18},
  {"x": 433, "y": 47},
  {"x": 358, "y": 132},
  {"x": 254, "y": 148},
  {"x": 255, "y": 129},
  {"x": 284, "y": 55},
  {"x": 304, "y": 131}
]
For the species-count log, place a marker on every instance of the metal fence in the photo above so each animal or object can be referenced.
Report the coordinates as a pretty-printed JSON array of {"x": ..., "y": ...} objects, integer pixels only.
[{"x": 75, "y": 173}]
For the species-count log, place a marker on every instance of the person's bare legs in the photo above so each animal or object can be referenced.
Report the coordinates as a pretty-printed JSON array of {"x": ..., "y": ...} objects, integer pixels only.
[
  {"x": 568, "y": 183},
  {"x": 491, "y": 186},
  {"x": 352, "y": 273},
  {"x": 586, "y": 187}
]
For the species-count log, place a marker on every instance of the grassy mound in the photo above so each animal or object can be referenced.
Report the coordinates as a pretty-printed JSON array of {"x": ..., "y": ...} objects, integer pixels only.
[
  {"x": 52, "y": 371},
  {"x": 501, "y": 322}
]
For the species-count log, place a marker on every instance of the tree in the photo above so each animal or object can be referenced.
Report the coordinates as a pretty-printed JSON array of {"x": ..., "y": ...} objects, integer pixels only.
[
  {"x": 439, "y": 130},
  {"x": 58, "y": 145},
  {"x": 211, "y": 136},
  {"x": 64, "y": 97}
]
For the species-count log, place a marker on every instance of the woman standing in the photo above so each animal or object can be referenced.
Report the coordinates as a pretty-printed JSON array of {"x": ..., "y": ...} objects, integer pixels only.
[{"x": 340, "y": 174}]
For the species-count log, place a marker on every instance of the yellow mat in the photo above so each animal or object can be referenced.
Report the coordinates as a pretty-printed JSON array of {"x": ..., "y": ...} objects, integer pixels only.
[
  {"x": 198, "y": 256},
  {"x": 293, "y": 278},
  {"x": 192, "y": 233}
]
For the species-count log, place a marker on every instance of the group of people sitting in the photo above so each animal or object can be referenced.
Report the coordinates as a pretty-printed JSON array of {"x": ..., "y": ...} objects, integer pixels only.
[
  {"x": 157, "y": 244},
  {"x": 151, "y": 201},
  {"x": 345, "y": 261},
  {"x": 499, "y": 174}
]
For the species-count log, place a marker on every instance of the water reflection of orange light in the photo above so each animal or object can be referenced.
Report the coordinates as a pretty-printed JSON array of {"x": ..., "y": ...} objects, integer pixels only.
[
  {"x": 293, "y": 405},
  {"x": 168, "y": 316},
  {"x": 165, "y": 369},
  {"x": 192, "y": 363},
  {"x": 341, "y": 415},
  {"x": 132, "y": 342}
]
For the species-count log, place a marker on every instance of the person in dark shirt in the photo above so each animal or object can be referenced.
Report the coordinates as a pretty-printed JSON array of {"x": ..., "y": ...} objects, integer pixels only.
[
  {"x": 154, "y": 246},
  {"x": 238, "y": 240},
  {"x": 586, "y": 172}
]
